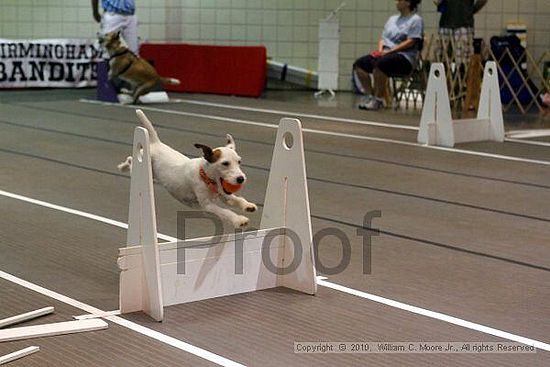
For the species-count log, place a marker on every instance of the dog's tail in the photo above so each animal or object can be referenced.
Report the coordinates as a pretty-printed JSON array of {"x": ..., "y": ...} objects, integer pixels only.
[
  {"x": 153, "y": 136},
  {"x": 171, "y": 81}
]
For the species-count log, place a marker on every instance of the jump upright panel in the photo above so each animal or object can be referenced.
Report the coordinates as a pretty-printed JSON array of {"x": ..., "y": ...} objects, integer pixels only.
[
  {"x": 142, "y": 291},
  {"x": 436, "y": 124},
  {"x": 278, "y": 254},
  {"x": 287, "y": 206}
]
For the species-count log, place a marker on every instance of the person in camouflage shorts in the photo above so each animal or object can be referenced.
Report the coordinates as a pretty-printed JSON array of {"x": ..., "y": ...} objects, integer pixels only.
[{"x": 456, "y": 28}]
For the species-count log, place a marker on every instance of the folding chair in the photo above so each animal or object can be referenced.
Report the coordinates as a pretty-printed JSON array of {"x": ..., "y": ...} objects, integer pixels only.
[{"x": 412, "y": 87}]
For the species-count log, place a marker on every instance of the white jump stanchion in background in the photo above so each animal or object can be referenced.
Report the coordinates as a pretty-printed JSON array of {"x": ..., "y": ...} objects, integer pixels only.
[
  {"x": 436, "y": 124},
  {"x": 280, "y": 254}
]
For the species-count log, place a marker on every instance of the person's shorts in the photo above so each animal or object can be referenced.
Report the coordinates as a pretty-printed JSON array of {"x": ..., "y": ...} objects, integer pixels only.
[
  {"x": 457, "y": 43},
  {"x": 392, "y": 65}
]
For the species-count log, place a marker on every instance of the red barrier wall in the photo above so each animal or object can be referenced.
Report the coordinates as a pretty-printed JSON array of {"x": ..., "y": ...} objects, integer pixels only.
[{"x": 238, "y": 70}]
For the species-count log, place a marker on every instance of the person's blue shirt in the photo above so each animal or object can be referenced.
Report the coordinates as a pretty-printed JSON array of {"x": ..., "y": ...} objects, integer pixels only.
[
  {"x": 126, "y": 7},
  {"x": 398, "y": 29}
]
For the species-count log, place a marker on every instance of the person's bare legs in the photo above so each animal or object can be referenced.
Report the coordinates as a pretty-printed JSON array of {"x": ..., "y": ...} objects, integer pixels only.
[
  {"x": 376, "y": 103},
  {"x": 365, "y": 80},
  {"x": 380, "y": 80}
]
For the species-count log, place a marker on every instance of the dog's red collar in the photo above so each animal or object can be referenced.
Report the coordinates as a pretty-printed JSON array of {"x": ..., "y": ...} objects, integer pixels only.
[{"x": 212, "y": 185}]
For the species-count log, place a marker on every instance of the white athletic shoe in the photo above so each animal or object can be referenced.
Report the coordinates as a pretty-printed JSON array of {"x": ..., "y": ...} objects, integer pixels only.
[{"x": 373, "y": 104}]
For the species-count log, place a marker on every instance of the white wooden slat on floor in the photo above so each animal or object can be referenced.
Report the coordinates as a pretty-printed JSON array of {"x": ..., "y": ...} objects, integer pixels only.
[
  {"x": 59, "y": 328},
  {"x": 18, "y": 354},
  {"x": 25, "y": 316}
]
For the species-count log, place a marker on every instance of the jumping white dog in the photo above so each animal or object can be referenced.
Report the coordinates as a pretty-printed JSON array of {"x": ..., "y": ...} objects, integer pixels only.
[{"x": 205, "y": 181}]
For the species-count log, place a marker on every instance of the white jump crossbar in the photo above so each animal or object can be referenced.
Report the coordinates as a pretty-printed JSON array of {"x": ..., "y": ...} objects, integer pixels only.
[
  {"x": 279, "y": 254},
  {"x": 436, "y": 124}
]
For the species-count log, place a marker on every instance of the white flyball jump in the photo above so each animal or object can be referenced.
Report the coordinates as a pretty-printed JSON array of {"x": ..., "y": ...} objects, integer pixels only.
[
  {"x": 280, "y": 254},
  {"x": 436, "y": 124},
  {"x": 151, "y": 97}
]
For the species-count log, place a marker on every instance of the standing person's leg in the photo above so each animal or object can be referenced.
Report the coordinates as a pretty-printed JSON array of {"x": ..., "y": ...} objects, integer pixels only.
[
  {"x": 130, "y": 33},
  {"x": 127, "y": 24},
  {"x": 444, "y": 50},
  {"x": 111, "y": 22},
  {"x": 464, "y": 41},
  {"x": 459, "y": 41}
]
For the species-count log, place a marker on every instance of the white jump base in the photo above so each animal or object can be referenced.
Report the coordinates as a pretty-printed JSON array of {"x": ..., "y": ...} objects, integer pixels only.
[
  {"x": 151, "y": 97},
  {"x": 149, "y": 278},
  {"x": 436, "y": 124}
]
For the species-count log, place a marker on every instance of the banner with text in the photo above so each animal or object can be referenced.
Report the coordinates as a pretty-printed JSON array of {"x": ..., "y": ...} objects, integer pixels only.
[{"x": 49, "y": 63}]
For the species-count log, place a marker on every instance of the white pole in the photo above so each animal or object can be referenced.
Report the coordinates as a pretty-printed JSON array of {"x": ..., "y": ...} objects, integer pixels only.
[
  {"x": 25, "y": 316},
  {"x": 19, "y": 354},
  {"x": 335, "y": 11}
]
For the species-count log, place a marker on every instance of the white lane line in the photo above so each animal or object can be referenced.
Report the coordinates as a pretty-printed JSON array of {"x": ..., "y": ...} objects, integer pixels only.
[
  {"x": 199, "y": 352},
  {"x": 182, "y": 113},
  {"x": 292, "y": 113},
  {"x": 528, "y": 133},
  {"x": 176, "y": 343},
  {"x": 436, "y": 315},
  {"x": 284, "y": 113},
  {"x": 321, "y": 281},
  {"x": 76, "y": 212},
  {"x": 330, "y": 133},
  {"x": 444, "y": 149},
  {"x": 530, "y": 142},
  {"x": 97, "y": 315}
]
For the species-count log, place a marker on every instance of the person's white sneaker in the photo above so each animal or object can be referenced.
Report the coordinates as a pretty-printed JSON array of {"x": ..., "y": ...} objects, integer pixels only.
[
  {"x": 372, "y": 105},
  {"x": 366, "y": 99}
]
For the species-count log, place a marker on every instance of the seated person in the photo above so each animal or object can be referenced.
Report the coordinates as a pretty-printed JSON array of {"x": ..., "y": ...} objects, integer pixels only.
[{"x": 396, "y": 54}]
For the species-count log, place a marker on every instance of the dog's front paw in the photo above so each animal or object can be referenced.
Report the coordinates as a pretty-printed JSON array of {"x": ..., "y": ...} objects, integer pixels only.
[
  {"x": 240, "y": 221},
  {"x": 250, "y": 208}
]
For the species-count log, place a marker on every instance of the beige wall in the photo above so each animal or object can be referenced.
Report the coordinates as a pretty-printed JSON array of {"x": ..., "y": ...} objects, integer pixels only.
[{"x": 288, "y": 28}]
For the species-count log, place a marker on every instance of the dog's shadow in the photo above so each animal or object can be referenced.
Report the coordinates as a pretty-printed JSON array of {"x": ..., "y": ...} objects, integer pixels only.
[{"x": 214, "y": 255}]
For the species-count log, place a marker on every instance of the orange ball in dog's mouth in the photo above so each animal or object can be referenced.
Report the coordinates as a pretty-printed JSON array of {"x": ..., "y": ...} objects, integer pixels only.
[{"x": 230, "y": 188}]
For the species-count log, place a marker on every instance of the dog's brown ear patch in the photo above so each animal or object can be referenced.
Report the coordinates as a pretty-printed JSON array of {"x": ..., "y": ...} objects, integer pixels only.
[
  {"x": 216, "y": 154},
  {"x": 209, "y": 154}
]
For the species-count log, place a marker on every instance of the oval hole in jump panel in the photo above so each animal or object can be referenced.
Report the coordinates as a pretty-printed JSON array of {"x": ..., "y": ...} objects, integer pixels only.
[
  {"x": 139, "y": 153},
  {"x": 288, "y": 141},
  {"x": 436, "y": 73},
  {"x": 490, "y": 71}
]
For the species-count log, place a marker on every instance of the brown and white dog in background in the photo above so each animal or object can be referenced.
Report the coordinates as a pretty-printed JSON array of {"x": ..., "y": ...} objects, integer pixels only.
[{"x": 131, "y": 68}]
